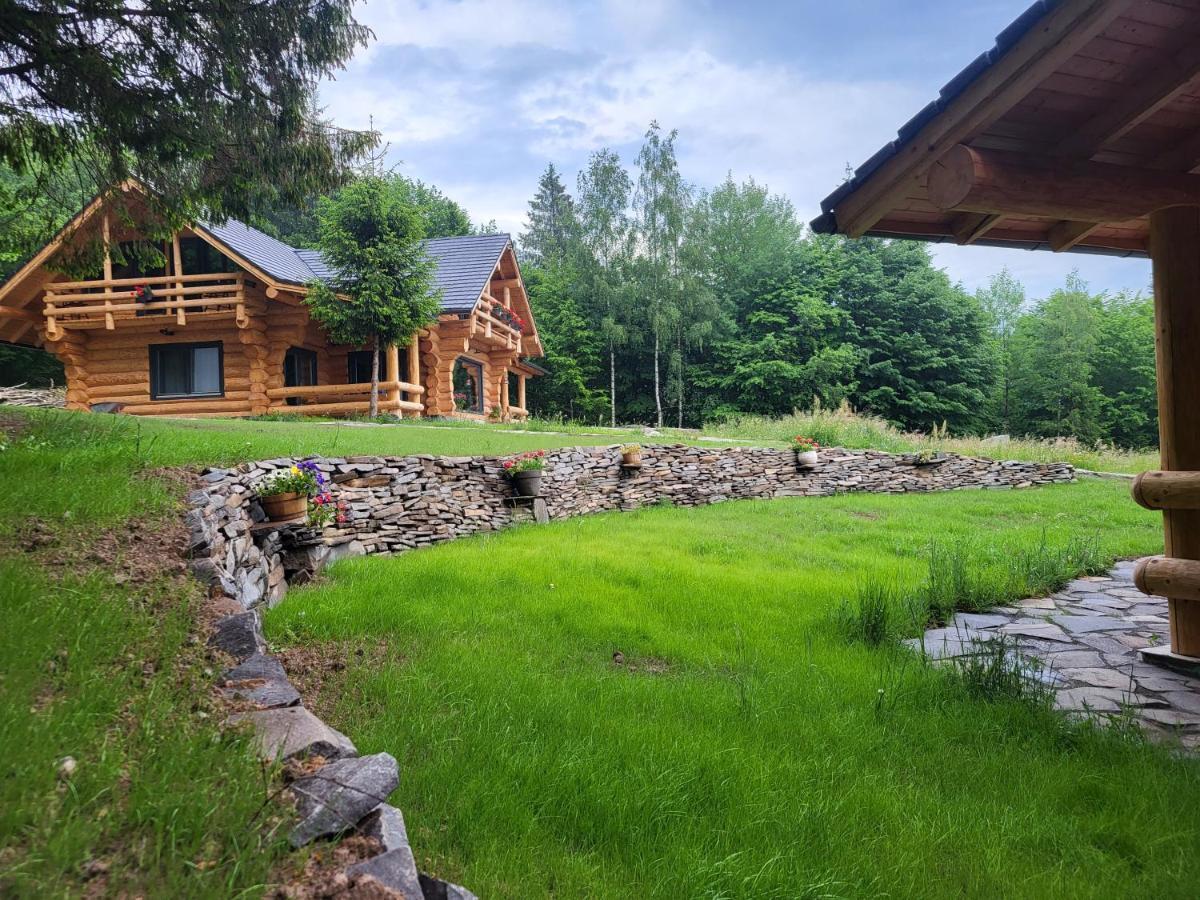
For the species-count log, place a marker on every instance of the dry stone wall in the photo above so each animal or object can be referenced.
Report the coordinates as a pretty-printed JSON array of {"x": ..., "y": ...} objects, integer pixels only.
[{"x": 395, "y": 504}]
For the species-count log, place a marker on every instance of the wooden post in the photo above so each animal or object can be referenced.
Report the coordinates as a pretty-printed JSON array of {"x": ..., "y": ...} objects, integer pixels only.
[
  {"x": 177, "y": 260},
  {"x": 521, "y": 391},
  {"x": 414, "y": 365},
  {"x": 108, "y": 316},
  {"x": 1174, "y": 237},
  {"x": 392, "y": 372},
  {"x": 504, "y": 393}
]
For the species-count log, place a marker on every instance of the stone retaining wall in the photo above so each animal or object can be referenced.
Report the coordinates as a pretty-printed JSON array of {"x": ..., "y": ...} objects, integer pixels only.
[{"x": 400, "y": 503}]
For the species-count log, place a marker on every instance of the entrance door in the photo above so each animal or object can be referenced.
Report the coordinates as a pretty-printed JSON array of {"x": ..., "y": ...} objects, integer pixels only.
[{"x": 299, "y": 370}]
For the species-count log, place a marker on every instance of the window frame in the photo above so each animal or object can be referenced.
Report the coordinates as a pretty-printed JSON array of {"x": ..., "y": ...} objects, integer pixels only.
[
  {"x": 156, "y": 351},
  {"x": 467, "y": 362},
  {"x": 352, "y": 355}
]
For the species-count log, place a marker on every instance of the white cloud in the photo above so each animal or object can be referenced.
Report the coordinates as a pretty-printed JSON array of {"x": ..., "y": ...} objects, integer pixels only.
[{"x": 473, "y": 27}]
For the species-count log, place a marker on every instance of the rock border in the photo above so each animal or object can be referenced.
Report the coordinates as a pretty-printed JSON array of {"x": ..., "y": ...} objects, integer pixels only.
[{"x": 395, "y": 504}]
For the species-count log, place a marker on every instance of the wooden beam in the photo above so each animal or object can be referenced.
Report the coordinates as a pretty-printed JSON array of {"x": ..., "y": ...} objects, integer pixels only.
[
  {"x": 1167, "y": 490},
  {"x": 1174, "y": 237},
  {"x": 1006, "y": 183},
  {"x": 13, "y": 312},
  {"x": 1065, "y": 235},
  {"x": 970, "y": 227},
  {"x": 1058, "y": 36},
  {"x": 1167, "y": 80}
]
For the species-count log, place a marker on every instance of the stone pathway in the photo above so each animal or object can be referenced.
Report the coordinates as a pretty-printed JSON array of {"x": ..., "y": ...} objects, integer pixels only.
[{"x": 1085, "y": 640}]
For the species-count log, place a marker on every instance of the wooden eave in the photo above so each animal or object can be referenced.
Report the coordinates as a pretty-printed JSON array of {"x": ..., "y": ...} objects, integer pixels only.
[
  {"x": 508, "y": 272},
  {"x": 1109, "y": 81}
]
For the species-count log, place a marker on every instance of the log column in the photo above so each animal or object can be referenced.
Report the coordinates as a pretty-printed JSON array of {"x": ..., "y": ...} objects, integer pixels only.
[
  {"x": 414, "y": 367},
  {"x": 1174, "y": 243},
  {"x": 392, "y": 370}
]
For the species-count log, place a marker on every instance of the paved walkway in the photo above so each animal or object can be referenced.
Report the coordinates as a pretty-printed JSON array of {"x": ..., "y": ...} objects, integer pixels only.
[{"x": 1086, "y": 638}]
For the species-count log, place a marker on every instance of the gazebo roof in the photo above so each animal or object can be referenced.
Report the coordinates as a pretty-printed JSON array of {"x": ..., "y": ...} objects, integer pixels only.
[{"x": 1107, "y": 81}]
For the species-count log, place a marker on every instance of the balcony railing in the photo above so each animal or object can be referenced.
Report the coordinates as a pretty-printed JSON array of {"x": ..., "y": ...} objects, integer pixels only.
[
  {"x": 330, "y": 398},
  {"x": 101, "y": 304}
]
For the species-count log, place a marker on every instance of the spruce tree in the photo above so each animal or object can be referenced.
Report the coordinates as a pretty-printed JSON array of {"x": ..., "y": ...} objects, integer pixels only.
[{"x": 551, "y": 227}]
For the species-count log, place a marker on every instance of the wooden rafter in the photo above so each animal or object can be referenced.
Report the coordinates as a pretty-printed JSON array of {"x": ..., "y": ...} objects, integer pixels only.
[
  {"x": 1162, "y": 85},
  {"x": 970, "y": 227}
]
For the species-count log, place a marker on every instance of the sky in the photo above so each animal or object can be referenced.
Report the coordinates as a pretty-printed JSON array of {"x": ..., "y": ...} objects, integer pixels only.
[{"x": 477, "y": 96}]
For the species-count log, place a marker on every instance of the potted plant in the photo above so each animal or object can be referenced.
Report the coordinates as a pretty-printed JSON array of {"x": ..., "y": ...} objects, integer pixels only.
[
  {"x": 525, "y": 472},
  {"x": 927, "y": 457},
  {"x": 806, "y": 451},
  {"x": 285, "y": 495},
  {"x": 631, "y": 454}
]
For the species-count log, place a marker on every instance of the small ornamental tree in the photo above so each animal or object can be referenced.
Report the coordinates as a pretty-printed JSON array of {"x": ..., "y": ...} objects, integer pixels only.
[{"x": 372, "y": 237}]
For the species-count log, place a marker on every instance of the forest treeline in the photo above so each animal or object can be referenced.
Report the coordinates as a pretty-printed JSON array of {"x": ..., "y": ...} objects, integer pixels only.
[{"x": 662, "y": 303}]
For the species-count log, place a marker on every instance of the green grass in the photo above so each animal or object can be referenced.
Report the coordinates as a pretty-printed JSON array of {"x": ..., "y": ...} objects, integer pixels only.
[
  {"x": 844, "y": 428},
  {"x": 101, "y": 666},
  {"x": 745, "y": 748}
]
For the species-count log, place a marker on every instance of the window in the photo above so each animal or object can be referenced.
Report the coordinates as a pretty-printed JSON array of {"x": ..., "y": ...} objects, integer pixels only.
[
  {"x": 131, "y": 259},
  {"x": 514, "y": 389},
  {"x": 468, "y": 385},
  {"x": 199, "y": 257},
  {"x": 187, "y": 370},
  {"x": 299, "y": 370},
  {"x": 358, "y": 366}
]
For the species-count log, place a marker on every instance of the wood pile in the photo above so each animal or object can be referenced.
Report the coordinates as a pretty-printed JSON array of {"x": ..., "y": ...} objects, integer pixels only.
[{"x": 43, "y": 398}]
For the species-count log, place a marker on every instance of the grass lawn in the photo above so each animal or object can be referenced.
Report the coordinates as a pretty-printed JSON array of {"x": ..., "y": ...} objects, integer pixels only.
[{"x": 744, "y": 748}]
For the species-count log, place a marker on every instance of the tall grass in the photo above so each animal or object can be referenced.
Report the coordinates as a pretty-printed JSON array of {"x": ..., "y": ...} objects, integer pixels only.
[{"x": 845, "y": 428}]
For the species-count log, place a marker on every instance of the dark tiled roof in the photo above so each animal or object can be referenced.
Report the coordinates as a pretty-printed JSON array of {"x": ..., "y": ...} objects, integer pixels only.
[
  {"x": 826, "y": 223},
  {"x": 464, "y": 264}
]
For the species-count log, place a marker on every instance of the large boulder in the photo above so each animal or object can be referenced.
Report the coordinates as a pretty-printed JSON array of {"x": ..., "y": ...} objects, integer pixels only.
[{"x": 338, "y": 796}]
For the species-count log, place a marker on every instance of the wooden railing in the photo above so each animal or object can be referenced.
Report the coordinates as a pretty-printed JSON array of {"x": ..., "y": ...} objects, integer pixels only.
[
  {"x": 330, "y": 394},
  {"x": 101, "y": 304}
]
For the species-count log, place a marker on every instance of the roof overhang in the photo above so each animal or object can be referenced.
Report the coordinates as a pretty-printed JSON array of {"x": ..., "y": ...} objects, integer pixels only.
[{"x": 1106, "y": 89}]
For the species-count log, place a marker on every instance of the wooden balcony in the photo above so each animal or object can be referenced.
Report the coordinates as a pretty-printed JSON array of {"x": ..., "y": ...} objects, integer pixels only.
[
  {"x": 329, "y": 399},
  {"x": 104, "y": 303}
]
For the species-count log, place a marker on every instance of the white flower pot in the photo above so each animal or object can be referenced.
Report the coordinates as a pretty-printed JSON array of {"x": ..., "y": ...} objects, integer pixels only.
[{"x": 806, "y": 459}]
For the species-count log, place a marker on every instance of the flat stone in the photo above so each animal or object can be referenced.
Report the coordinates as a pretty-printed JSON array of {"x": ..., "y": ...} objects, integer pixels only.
[
  {"x": 395, "y": 870},
  {"x": 1104, "y": 642},
  {"x": 293, "y": 732},
  {"x": 339, "y": 795},
  {"x": 979, "y": 621},
  {"x": 1078, "y": 659},
  {"x": 260, "y": 665},
  {"x": 1088, "y": 624},
  {"x": 1037, "y": 603},
  {"x": 436, "y": 889},
  {"x": 1188, "y": 701},
  {"x": 1158, "y": 683},
  {"x": 1167, "y": 658},
  {"x": 1101, "y": 677},
  {"x": 239, "y": 635},
  {"x": 1095, "y": 699},
  {"x": 1174, "y": 717},
  {"x": 386, "y": 825},
  {"x": 265, "y": 694},
  {"x": 1042, "y": 630}
]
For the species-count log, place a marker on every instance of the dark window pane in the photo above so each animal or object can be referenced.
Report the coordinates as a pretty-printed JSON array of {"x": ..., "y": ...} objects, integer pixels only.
[
  {"x": 174, "y": 368},
  {"x": 358, "y": 366},
  {"x": 206, "y": 370},
  {"x": 468, "y": 385}
]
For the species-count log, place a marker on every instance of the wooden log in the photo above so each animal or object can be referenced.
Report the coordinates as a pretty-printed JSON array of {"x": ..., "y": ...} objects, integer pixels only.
[
  {"x": 198, "y": 404},
  {"x": 1167, "y": 490},
  {"x": 1006, "y": 183},
  {"x": 1165, "y": 576},
  {"x": 328, "y": 390},
  {"x": 13, "y": 312},
  {"x": 1174, "y": 237}
]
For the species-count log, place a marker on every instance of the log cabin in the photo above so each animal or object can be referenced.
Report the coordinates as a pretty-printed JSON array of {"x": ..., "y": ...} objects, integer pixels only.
[
  {"x": 1079, "y": 131},
  {"x": 222, "y": 328}
]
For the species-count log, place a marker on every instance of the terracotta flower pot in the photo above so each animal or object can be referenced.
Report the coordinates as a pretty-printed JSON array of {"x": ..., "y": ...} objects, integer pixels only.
[
  {"x": 527, "y": 483},
  {"x": 806, "y": 459},
  {"x": 284, "y": 507}
]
